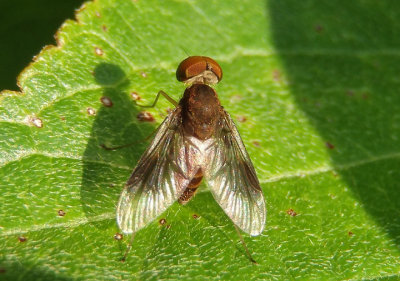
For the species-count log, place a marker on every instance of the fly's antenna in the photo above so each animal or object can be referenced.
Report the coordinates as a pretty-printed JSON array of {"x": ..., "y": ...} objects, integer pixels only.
[
  {"x": 206, "y": 50},
  {"x": 184, "y": 50}
]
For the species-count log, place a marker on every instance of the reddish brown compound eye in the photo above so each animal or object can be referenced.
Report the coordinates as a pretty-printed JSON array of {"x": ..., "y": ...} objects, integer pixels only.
[{"x": 205, "y": 69}]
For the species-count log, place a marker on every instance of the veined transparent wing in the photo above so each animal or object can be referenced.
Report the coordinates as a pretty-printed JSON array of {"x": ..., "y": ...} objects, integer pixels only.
[
  {"x": 233, "y": 181},
  {"x": 160, "y": 177}
]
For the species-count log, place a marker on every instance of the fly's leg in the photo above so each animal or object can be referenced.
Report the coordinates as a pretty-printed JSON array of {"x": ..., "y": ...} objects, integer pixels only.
[
  {"x": 244, "y": 245},
  {"x": 165, "y": 95},
  {"x": 128, "y": 248},
  {"x": 128, "y": 144}
]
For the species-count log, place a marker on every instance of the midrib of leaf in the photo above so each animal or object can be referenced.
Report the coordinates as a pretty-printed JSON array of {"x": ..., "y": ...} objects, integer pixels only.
[
  {"x": 61, "y": 156},
  {"x": 69, "y": 224}
]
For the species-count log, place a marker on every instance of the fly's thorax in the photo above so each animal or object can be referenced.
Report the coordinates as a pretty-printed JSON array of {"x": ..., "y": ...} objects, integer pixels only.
[{"x": 201, "y": 111}]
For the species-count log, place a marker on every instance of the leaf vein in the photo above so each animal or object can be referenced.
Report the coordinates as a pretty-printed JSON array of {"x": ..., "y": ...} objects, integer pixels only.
[
  {"x": 60, "y": 156},
  {"x": 324, "y": 169},
  {"x": 69, "y": 224},
  {"x": 135, "y": 32}
]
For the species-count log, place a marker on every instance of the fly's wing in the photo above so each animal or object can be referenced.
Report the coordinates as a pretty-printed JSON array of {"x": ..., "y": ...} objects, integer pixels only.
[
  {"x": 160, "y": 177},
  {"x": 233, "y": 181}
]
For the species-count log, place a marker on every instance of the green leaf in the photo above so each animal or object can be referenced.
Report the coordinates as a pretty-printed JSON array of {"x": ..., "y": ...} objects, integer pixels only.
[{"x": 313, "y": 89}]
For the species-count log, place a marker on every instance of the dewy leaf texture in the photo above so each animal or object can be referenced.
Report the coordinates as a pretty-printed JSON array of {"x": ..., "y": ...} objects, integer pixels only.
[{"x": 313, "y": 88}]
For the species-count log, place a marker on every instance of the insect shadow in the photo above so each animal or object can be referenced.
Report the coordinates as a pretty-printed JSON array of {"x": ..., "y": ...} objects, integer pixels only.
[
  {"x": 115, "y": 123},
  {"x": 210, "y": 232},
  {"x": 17, "y": 271},
  {"x": 216, "y": 219}
]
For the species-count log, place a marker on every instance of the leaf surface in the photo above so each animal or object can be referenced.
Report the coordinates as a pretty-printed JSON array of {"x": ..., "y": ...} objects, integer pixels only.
[{"x": 313, "y": 90}]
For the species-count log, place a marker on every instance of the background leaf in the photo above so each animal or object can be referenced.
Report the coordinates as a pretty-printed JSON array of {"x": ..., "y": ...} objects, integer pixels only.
[{"x": 313, "y": 88}]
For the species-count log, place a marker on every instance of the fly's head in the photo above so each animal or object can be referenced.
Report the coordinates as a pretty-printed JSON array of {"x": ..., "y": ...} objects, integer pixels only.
[{"x": 199, "y": 69}]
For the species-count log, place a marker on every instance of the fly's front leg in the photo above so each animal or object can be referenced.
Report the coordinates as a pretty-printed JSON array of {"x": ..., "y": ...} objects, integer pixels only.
[{"x": 165, "y": 95}]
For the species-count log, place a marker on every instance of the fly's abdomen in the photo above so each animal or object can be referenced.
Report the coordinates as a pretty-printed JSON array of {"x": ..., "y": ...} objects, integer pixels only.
[{"x": 192, "y": 188}]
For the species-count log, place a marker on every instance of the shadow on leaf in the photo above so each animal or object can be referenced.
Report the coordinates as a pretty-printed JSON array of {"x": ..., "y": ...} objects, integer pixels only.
[
  {"x": 9, "y": 271},
  {"x": 105, "y": 172},
  {"x": 344, "y": 77}
]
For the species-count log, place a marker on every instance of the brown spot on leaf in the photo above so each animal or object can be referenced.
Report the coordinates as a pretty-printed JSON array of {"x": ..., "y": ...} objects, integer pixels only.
[
  {"x": 98, "y": 51},
  {"x": 162, "y": 221},
  {"x": 118, "y": 236},
  {"x": 276, "y": 75},
  {"x": 350, "y": 233},
  {"x": 37, "y": 122},
  {"x": 145, "y": 116},
  {"x": 256, "y": 144},
  {"x": 144, "y": 75},
  {"x": 329, "y": 145},
  {"x": 168, "y": 226},
  {"x": 106, "y": 101},
  {"x": 61, "y": 213},
  {"x": 91, "y": 111},
  {"x": 104, "y": 27},
  {"x": 241, "y": 118},
  {"x": 135, "y": 96},
  {"x": 318, "y": 28},
  {"x": 196, "y": 216},
  {"x": 291, "y": 212},
  {"x": 236, "y": 98},
  {"x": 22, "y": 239}
]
